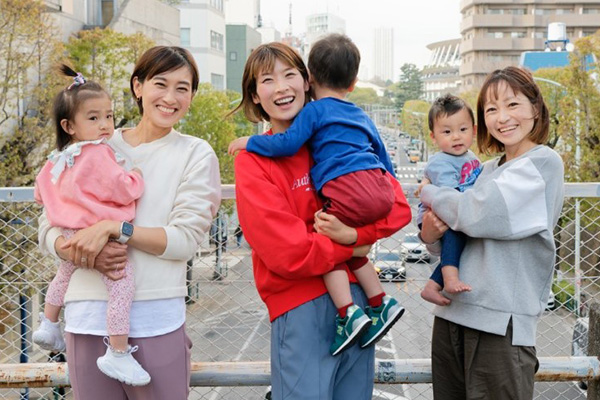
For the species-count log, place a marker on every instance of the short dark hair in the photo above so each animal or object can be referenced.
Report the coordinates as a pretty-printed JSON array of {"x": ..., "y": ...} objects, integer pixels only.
[
  {"x": 160, "y": 59},
  {"x": 333, "y": 61},
  {"x": 67, "y": 102},
  {"x": 520, "y": 81},
  {"x": 446, "y": 106}
]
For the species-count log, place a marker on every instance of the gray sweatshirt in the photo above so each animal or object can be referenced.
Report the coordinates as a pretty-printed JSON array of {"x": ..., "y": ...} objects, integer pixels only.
[{"x": 509, "y": 216}]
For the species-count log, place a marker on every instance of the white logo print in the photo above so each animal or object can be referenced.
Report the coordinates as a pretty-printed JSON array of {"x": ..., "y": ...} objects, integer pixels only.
[{"x": 301, "y": 182}]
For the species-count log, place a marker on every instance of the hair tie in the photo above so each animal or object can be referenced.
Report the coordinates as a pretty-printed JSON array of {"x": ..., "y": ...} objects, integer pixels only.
[{"x": 78, "y": 80}]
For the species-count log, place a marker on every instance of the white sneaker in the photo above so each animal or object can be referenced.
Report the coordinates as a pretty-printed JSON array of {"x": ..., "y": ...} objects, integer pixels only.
[
  {"x": 49, "y": 335},
  {"x": 123, "y": 367}
]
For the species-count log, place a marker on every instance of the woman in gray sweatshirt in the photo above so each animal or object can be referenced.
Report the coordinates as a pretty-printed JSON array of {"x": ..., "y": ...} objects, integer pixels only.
[{"x": 483, "y": 344}]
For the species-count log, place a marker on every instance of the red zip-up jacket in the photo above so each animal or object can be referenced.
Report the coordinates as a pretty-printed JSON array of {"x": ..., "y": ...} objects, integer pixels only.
[{"x": 276, "y": 203}]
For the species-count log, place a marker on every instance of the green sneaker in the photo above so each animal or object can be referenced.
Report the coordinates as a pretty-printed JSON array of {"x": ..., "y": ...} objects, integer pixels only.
[
  {"x": 349, "y": 329},
  {"x": 383, "y": 318}
]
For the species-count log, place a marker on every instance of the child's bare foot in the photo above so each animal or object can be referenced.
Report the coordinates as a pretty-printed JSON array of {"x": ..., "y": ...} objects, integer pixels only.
[
  {"x": 433, "y": 294},
  {"x": 456, "y": 286}
]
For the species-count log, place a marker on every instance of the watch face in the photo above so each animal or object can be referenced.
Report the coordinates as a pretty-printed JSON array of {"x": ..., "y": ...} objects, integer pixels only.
[{"x": 127, "y": 229}]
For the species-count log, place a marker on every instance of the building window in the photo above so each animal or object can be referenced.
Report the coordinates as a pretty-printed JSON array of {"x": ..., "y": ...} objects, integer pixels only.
[
  {"x": 563, "y": 11},
  {"x": 233, "y": 55},
  {"x": 495, "y": 35},
  {"x": 217, "y": 81},
  {"x": 538, "y": 35},
  {"x": 518, "y": 11},
  {"x": 590, "y": 11},
  {"x": 218, "y": 4},
  {"x": 517, "y": 35},
  {"x": 542, "y": 11},
  {"x": 184, "y": 35},
  {"x": 216, "y": 41},
  {"x": 494, "y": 11}
]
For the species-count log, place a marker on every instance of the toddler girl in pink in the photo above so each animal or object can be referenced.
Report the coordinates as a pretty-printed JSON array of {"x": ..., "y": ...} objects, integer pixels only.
[{"x": 83, "y": 182}]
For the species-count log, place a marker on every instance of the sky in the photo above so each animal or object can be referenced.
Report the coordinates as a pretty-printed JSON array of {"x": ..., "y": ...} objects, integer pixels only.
[{"x": 416, "y": 23}]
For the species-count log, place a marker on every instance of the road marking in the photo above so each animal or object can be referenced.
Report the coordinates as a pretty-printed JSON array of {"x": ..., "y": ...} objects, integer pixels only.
[
  {"x": 380, "y": 394},
  {"x": 216, "y": 392}
]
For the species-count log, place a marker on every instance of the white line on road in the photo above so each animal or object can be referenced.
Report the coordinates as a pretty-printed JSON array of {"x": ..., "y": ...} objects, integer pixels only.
[{"x": 242, "y": 350}]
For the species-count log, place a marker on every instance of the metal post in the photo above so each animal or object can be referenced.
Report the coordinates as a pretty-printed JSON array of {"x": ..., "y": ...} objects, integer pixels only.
[
  {"x": 24, "y": 357},
  {"x": 593, "y": 348}
]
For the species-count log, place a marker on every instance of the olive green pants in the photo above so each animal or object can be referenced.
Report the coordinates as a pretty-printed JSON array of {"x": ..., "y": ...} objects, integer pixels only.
[{"x": 469, "y": 364}]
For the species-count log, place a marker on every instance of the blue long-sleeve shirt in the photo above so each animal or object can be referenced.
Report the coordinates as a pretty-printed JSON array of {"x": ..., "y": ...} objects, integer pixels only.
[{"x": 340, "y": 135}]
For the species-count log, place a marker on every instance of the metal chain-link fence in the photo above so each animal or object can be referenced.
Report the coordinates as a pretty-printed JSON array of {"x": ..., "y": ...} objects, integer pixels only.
[{"x": 227, "y": 321}]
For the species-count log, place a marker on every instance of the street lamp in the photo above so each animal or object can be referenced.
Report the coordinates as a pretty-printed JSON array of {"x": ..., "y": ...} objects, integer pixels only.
[{"x": 577, "y": 204}]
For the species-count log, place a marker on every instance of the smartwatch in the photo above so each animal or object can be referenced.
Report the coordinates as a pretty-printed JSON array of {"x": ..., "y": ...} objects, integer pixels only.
[{"x": 126, "y": 232}]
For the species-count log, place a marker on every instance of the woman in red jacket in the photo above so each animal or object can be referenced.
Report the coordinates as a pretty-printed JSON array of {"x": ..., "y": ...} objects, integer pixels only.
[{"x": 276, "y": 206}]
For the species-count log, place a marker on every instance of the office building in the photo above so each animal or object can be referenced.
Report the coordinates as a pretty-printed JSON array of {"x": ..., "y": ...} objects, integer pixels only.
[
  {"x": 495, "y": 33},
  {"x": 383, "y": 54},
  {"x": 318, "y": 25},
  {"x": 202, "y": 25},
  {"x": 241, "y": 40}
]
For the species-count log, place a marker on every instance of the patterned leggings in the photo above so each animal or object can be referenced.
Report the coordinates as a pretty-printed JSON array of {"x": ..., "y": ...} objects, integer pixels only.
[{"x": 120, "y": 293}]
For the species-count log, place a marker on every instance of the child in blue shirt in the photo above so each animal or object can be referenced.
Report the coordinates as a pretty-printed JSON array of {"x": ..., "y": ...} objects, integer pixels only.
[
  {"x": 452, "y": 129},
  {"x": 349, "y": 173}
]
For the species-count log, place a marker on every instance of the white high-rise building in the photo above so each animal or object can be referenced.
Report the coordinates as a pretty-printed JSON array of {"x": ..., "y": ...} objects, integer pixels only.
[
  {"x": 318, "y": 25},
  {"x": 243, "y": 12},
  {"x": 202, "y": 25},
  {"x": 383, "y": 54}
]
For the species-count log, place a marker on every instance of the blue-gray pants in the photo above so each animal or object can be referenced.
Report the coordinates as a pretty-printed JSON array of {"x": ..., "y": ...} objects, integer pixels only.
[{"x": 301, "y": 366}]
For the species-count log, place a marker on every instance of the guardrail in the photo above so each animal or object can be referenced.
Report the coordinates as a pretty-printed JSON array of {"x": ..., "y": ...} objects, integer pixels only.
[{"x": 230, "y": 328}]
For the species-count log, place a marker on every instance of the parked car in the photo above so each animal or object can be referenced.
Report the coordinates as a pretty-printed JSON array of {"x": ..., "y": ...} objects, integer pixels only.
[
  {"x": 413, "y": 249},
  {"x": 390, "y": 265},
  {"x": 579, "y": 342}
]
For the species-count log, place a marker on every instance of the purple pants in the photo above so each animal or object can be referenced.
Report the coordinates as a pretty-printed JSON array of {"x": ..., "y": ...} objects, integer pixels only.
[
  {"x": 120, "y": 293},
  {"x": 166, "y": 358}
]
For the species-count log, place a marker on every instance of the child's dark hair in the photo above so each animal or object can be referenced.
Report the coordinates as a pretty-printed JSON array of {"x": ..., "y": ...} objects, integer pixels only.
[
  {"x": 68, "y": 100},
  {"x": 333, "y": 61},
  {"x": 520, "y": 81},
  {"x": 446, "y": 106}
]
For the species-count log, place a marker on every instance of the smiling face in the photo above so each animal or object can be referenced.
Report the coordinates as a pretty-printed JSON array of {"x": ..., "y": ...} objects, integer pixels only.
[
  {"x": 166, "y": 97},
  {"x": 454, "y": 134},
  {"x": 93, "y": 120},
  {"x": 509, "y": 118},
  {"x": 281, "y": 93}
]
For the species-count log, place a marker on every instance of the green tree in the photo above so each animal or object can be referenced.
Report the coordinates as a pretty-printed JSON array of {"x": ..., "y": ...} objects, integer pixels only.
[
  {"x": 107, "y": 57},
  {"x": 207, "y": 119},
  {"x": 410, "y": 86},
  {"x": 362, "y": 96}
]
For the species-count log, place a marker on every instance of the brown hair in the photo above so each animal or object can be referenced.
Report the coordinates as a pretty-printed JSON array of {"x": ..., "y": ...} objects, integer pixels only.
[
  {"x": 520, "y": 81},
  {"x": 262, "y": 59},
  {"x": 446, "y": 106},
  {"x": 333, "y": 61},
  {"x": 67, "y": 102},
  {"x": 160, "y": 59}
]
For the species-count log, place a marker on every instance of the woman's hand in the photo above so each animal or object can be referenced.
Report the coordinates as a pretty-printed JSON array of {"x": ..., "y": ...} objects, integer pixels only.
[
  {"x": 111, "y": 260},
  {"x": 87, "y": 243},
  {"x": 432, "y": 228},
  {"x": 330, "y": 226},
  {"x": 361, "y": 251}
]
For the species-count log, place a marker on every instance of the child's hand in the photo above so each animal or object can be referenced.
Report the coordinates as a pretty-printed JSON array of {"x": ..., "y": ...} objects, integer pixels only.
[
  {"x": 139, "y": 171},
  {"x": 330, "y": 226},
  {"x": 424, "y": 182},
  {"x": 238, "y": 144}
]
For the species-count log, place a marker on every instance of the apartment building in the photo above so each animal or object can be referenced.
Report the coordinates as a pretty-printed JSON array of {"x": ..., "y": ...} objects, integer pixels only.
[
  {"x": 496, "y": 32},
  {"x": 202, "y": 27},
  {"x": 318, "y": 25},
  {"x": 440, "y": 75},
  {"x": 155, "y": 19}
]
